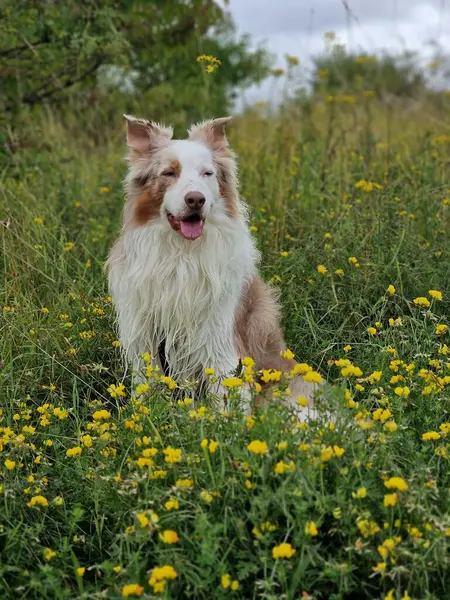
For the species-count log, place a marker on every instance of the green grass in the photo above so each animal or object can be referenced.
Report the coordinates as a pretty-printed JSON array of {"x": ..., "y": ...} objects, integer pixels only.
[{"x": 61, "y": 201}]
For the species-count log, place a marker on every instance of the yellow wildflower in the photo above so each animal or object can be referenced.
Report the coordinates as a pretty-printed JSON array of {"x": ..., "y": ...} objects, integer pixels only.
[
  {"x": 168, "y": 536},
  {"x": 422, "y": 301},
  {"x": 396, "y": 483},
  {"x": 258, "y": 447},
  {"x": 431, "y": 435},
  {"x": 311, "y": 528},
  {"x": 132, "y": 589},
  {"x": 283, "y": 551},
  {"x": 435, "y": 294}
]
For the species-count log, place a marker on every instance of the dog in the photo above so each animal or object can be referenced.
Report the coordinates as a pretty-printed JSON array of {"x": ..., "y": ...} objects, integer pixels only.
[{"x": 183, "y": 273}]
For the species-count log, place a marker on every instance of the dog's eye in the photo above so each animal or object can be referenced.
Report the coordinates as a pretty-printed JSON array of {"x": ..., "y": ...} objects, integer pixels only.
[
  {"x": 208, "y": 174},
  {"x": 169, "y": 174}
]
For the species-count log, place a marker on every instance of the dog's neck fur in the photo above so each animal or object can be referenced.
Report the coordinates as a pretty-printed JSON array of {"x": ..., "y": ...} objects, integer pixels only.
[{"x": 182, "y": 292}]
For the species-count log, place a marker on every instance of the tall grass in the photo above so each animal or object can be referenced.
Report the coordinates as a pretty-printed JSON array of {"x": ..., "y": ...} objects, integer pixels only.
[{"x": 347, "y": 198}]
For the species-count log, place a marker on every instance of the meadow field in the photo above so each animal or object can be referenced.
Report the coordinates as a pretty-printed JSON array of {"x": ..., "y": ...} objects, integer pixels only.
[{"x": 108, "y": 491}]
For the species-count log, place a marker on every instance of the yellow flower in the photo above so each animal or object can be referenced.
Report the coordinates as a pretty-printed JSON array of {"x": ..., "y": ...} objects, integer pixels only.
[
  {"x": 435, "y": 294},
  {"x": 38, "y": 501},
  {"x": 163, "y": 573},
  {"x": 143, "y": 520},
  {"x": 258, "y": 447},
  {"x": 396, "y": 483},
  {"x": 391, "y": 289},
  {"x": 87, "y": 441},
  {"x": 173, "y": 455},
  {"x": 104, "y": 190},
  {"x": 132, "y": 589},
  {"x": 311, "y": 528},
  {"x": 340, "y": 272},
  {"x": 213, "y": 445},
  {"x": 225, "y": 581},
  {"x": 234, "y": 585},
  {"x": 168, "y": 536},
  {"x": 270, "y": 375},
  {"x": 10, "y": 464},
  {"x": 371, "y": 330},
  {"x": 283, "y": 551},
  {"x": 172, "y": 504},
  {"x": 287, "y": 354},
  {"x": 81, "y": 571},
  {"x": 142, "y": 388},
  {"x": 347, "y": 348},
  {"x": 322, "y": 269},
  {"x": 379, "y": 568},
  {"x": 391, "y": 426},
  {"x": 390, "y": 499},
  {"x": 209, "y": 371},
  {"x": 49, "y": 554},
  {"x": 232, "y": 382},
  {"x": 326, "y": 453},
  {"x": 284, "y": 254},
  {"x": 360, "y": 493},
  {"x": 351, "y": 371},
  {"x": 403, "y": 392},
  {"x": 422, "y": 301},
  {"x": 184, "y": 484},
  {"x": 440, "y": 329},
  {"x": 312, "y": 377},
  {"x": 338, "y": 451},
  {"x": 101, "y": 415},
  {"x": 74, "y": 451},
  {"x": 117, "y": 391},
  {"x": 431, "y": 435}
]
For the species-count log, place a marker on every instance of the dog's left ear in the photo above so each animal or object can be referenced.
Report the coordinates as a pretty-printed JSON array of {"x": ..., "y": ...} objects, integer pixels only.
[{"x": 211, "y": 133}]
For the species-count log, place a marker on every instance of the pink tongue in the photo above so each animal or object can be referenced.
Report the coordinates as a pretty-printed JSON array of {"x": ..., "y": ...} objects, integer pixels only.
[{"x": 191, "y": 230}]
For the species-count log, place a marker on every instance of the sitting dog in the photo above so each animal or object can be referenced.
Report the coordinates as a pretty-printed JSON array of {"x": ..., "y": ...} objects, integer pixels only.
[{"x": 183, "y": 273}]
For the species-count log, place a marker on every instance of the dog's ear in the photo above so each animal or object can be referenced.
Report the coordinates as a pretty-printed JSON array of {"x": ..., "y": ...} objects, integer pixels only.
[
  {"x": 143, "y": 136},
  {"x": 211, "y": 133}
]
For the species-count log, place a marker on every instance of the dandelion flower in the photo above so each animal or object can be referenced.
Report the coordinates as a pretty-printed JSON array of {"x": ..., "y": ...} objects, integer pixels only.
[{"x": 322, "y": 269}]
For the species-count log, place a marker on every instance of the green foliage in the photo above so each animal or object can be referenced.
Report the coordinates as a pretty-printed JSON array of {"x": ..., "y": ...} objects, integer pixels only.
[
  {"x": 325, "y": 188},
  {"x": 343, "y": 72},
  {"x": 96, "y": 47}
]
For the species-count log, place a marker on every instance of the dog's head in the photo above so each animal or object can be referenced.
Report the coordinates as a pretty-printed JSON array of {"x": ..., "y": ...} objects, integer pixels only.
[{"x": 181, "y": 183}]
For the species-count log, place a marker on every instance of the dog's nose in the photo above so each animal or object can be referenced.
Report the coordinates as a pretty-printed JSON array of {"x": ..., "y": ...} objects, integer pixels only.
[{"x": 194, "y": 200}]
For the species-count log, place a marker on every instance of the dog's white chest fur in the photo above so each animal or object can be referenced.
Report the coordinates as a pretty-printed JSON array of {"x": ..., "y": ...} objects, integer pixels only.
[{"x": 182, "y": 292}]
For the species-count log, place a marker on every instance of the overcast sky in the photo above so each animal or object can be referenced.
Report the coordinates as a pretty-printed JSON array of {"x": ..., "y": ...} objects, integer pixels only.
[{"x": 297, "y": 27}]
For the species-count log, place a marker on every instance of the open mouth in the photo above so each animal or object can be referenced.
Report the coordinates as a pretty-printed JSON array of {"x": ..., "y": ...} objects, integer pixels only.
[{"x": 190, "y": 227}]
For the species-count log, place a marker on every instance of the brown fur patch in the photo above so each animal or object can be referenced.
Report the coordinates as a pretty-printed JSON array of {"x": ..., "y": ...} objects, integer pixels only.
[
  {"x": 148, "y": 203},
  {"x": 175, "y": 166},
  {"x": 257, "y": 328}
]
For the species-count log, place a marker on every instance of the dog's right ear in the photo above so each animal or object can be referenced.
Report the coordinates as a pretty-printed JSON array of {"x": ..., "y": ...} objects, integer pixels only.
[{"x": 144, "y": 136}]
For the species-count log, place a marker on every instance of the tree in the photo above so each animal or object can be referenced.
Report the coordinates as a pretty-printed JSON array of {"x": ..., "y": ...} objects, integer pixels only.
[{"x": 48, "y": 47}]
